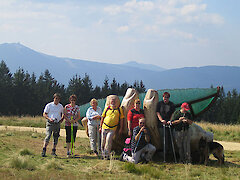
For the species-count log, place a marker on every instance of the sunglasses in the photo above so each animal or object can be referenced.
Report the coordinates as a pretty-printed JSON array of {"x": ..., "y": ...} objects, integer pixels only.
[
  {"x": 166, "y": 97},
  {"x": 141, "y": 122}
]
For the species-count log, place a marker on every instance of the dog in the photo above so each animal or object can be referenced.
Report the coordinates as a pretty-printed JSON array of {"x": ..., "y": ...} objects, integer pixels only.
[{"x": 207, "y": 148}]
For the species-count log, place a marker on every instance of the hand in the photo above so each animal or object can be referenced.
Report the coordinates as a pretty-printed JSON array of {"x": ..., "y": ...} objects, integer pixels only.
[
  {"x": 142, "y": 129},
  {"x": 181, "y": 118},
  {"x": 51, "y": 120},
  {"x": 145, "y": 130},
  {"x": 185, "y": 121},
  {"x": 169, "y": 123},
  {"x": 164, "y": 122},
  {"x": 100, "y": 130}
]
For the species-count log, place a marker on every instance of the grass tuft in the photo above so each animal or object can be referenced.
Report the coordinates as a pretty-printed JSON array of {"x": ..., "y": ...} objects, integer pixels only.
[
  {"x": 53, "y": 165},
  {"x": 21, "y": 163},
  {"x": 25, "y": 152}
]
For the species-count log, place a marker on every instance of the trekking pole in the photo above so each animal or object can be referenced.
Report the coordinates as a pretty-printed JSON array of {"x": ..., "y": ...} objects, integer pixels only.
[
  {"x": 72, "y": 140},
  {"x": 173, "y": 148},
  {"x": 164, "y": 143},
  {"x": 138, "y": 142}
]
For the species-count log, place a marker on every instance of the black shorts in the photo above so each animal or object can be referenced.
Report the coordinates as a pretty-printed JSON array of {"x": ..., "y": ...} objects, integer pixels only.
[{"x": 68, "y": 133}]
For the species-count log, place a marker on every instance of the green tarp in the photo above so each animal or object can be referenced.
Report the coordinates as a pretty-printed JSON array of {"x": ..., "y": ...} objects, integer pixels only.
[{"x": 200, "y": 99}]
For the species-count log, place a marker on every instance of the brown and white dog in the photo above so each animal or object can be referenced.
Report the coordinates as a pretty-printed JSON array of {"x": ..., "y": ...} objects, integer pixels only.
[{"x": 207, "y": 148}]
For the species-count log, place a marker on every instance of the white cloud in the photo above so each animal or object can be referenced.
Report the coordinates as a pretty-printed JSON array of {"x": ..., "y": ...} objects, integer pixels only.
[
  {"x": 192, "y": 8},
  {"x": 123, "y": 29}
]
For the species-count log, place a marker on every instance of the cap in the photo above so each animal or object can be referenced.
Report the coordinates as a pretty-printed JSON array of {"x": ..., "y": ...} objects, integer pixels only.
[{"x": 185, "y": 106}]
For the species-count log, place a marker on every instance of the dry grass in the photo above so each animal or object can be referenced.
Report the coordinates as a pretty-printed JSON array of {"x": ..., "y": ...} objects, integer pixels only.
[
  {"x": 222, "y": 132},
  {"x": 31, "y": 165}
]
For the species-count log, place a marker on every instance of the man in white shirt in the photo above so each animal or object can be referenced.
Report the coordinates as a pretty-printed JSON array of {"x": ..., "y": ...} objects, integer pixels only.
[{"x": 53, "y": 112}]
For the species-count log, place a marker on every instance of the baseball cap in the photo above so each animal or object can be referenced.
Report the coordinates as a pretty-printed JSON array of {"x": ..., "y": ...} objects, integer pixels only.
[{"x": 185, "y": 106}]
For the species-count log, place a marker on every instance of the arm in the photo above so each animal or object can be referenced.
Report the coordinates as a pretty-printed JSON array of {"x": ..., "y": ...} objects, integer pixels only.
[
  {"x": 121, "y": 126},
  {"x": 177, "y": 121},
  {"x": 129, "y": 122},
  {"x": 65, "y": 115},
  {"x": 78, "y": 117},
  {"x": 46, "y": 116},
  {"x": 101, "y": 122}
]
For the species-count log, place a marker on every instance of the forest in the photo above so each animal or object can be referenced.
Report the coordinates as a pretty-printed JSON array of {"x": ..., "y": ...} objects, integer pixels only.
[{"x": 23, "y": 94}]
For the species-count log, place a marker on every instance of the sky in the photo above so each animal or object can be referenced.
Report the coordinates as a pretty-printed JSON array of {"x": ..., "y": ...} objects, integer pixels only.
[{"x": 166, "y": 33}]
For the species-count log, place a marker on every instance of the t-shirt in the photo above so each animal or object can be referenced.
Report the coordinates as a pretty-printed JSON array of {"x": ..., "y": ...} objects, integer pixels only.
[
  {"x": 142, "y": 142},
  {"x": 71, "y": 112},
  {"x": 111, "y": 117},
  {"x": 134, "y": 116},
  {"x": 54, "y": 111},
  {"x": 165, "y": 110},
  {"x": 181, "y": 126}
]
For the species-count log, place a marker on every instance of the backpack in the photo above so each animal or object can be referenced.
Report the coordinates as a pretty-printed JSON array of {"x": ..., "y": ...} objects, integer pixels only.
[{"x": 119, "y": 117}]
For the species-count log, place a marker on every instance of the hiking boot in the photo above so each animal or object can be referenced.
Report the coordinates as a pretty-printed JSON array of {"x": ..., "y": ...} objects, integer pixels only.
[
  {"x": 95, "y": 152},
  {"x": 44, "y": 152},
  {"x": 121, "y": 156},
  {"x": 54, "y": 152}
]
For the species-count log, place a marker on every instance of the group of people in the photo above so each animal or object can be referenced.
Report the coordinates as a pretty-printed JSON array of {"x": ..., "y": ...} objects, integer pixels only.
[{"x": 103, "y": 125}]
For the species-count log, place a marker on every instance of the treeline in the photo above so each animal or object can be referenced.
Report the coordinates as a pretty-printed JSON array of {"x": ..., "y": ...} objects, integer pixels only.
[
  {"x": 225, "y": 110},
  {"x": 25, "y": 94}
]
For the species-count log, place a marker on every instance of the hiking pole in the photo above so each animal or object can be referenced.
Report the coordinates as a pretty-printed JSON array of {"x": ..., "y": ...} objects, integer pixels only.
[
  {"x": 164, "y": 143},
  {"x": 173, "y": 148},
  {"x": 72, "y": 140},
  {"x": 138, "y": 142}
]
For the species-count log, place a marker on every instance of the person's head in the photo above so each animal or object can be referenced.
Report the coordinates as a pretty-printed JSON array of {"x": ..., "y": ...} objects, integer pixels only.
[
  {"x": 73, "y": 99},
  {"x": 137, "y": 103},
  {"x": 94, "y": 103},
  {"x": 166, "y": 96},
  {"x": 142, "y": 122},
  {"x": 56, "y": 98},
  {"x": 185, "y": 107}
]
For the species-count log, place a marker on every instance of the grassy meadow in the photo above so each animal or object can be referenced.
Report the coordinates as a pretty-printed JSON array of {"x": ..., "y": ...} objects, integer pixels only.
[
  {"x": 221, "y": 132},
  {"x": 20, "y": 159}
]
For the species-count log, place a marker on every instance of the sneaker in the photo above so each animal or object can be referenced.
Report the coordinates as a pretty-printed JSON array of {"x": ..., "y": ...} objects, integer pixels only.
[
  {"x": 54, "y": 152},
  {"x": 44, "y": 152},
  {"x": 68, "y": 154}
]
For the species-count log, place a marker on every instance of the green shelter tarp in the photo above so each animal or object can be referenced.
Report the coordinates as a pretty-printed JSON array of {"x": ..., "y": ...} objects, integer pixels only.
[{"x": 199, "y": 99}]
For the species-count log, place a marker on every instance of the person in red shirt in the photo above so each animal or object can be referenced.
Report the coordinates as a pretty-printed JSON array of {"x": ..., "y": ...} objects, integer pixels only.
[{"x": 134, "y": 115}]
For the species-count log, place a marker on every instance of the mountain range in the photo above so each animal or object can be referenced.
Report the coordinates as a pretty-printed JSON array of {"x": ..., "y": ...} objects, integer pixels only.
[{"x": 16, "y": 55}]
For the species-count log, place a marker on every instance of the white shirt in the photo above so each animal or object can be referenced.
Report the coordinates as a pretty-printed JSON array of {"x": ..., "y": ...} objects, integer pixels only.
[
  {"x": 91, "y": 113},
  {"x": 54, "y": 111}
]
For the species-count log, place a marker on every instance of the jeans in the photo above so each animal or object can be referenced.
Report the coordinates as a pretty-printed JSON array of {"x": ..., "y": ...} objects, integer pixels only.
[{"x": 148, "y": 152}]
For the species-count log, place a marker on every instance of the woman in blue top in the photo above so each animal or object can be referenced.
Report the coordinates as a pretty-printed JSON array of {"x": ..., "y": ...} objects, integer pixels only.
[{"x": 93, "y": 115}]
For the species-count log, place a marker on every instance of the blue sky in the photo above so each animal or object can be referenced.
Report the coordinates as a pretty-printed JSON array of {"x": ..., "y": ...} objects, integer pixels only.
[{"x": 167, "y": 33}]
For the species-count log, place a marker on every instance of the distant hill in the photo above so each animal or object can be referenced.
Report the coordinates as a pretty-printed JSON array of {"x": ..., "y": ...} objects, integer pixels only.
[
  {"x": 62, "y": 69},
  {"x": 150, "y": 67}
]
